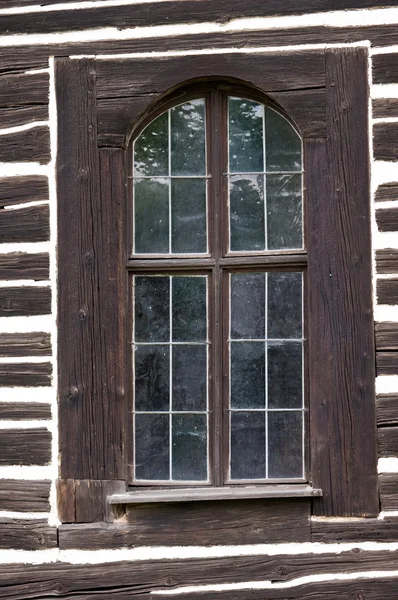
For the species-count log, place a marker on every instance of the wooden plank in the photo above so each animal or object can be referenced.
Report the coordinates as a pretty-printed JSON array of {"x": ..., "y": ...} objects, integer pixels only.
[
  {"x": 387, "y": 291},
  {"x": 387, "y": 192},
  {"x": 237, "y": 522},
  {"x": 387, "y": 219},
  {"x": 20, "y": 265},
  {"x": 25, "y": 374},
  {"x": 25, "y": 301},
  {"x": 354, "y": 530},
  {"x": 22, "y": 496},
  {"x": 385, "y": 68},
  {"x": 30, "y": 224},
  {"x": 387, "y": 363},
  {"x": 387, "y": 409},
  {"x": 385, "y": 141},
  {"x": 29, "y": 534},
  {"x": 31, "y": 145},
  {"x": 386, "y": 336},
  {"x": 17, "y": 190},
  {"x": 21, "y": 115},
  {"x": 342, "y": 364},
  {"x": 388, "y": 484},
  {"x": 388, "y": 441},
  {"x": 385, "y": 107},
  {"x": 25, "y": 446},
  {"x": 21, "y": 89},
  {"x": 24, "y": 411},
  {"x": 25, "y": 344},
  {"x": 387, "y": 261}
]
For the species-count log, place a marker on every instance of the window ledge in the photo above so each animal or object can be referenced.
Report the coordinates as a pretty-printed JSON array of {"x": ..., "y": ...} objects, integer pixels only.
[{"x": 215, "y": 493}]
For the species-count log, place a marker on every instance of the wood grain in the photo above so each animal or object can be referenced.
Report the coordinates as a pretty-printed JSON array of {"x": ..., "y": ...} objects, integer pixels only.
[
  {"x": 388, "y": 484},
  {"x": 387, "y": 261},
  {"x": 386, "y": 336},
  {"x": 25, "y": 447},
  {"x": 20, "y": 265},
  {"x": 385, "y": 141},
  {"x": 387, "y": 409},
  {"x": 387, "y": 291},
  {"x": 21, "y": 89},
  {"x": 387, "y": 192},
  {"x": 25, "y": 301},
  {"x": 358, "y": 530},
  {"x": 22, "y": 496},
  {"x": 387, "y": 219},
  {"x": 29, "y": 534},
  {"x": 387, "y": 363},
  {"x": 25, "y": 344},
  {"x": 385, "y": 107},
  {"x": 17, "y": 190},
  {"x": 30, "y": 224},
  {"x": 30, "y": 145},
  {"x": 24, "y": 411},
  {"x": 388, "y": 441},
  {"x": 385, "y": 68},
  {"x": 25, "y": 374},
  {"x": 16, "y": 116},
  {"x": 341, "y": 356}
]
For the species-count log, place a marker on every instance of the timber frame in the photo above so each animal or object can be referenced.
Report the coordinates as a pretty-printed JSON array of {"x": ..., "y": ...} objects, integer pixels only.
[{"x": 100, "y": 103}]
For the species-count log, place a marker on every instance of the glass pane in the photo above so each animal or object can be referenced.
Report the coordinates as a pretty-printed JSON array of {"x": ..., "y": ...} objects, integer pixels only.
[
  {"x": 284, "y": 305},
  {"x": 285, "y": 439},
  {"x": 285, "y": 375},
  {"x": 248, "y": 445},
  {"x": 152, "y": 313},
  {"x": 283, "y": 144},
  {"x": 248, "y": 306},
  {"x": 189, "y": 447},
  {"x": 189, "y": 309},
  {"x": 284, "y": 211},
  {"x": 246, "y": 196},
  {"x": 188, "y": 210},
  {"x": 245, "y": 136},
  {"x": 152, "y": 378},
  {"x": 188, "y": 138},
  {"x": 151, "y": 148},
  {"x": 189, "y": 377},
  {"x": 152, "y": 447},
  {"x": 151, "y": 216},
  {"x": 248, "y": 375}
]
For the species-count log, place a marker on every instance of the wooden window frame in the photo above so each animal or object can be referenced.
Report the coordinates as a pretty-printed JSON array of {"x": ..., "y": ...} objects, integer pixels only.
[{"x": 100, "y": 103}]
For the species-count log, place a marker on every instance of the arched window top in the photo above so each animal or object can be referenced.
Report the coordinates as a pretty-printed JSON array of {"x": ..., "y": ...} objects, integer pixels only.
[{"x": 236, "y": 151}]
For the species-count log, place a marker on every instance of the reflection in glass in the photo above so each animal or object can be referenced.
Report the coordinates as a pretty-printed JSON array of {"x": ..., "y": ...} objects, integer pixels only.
[
  {"x": 246, "y": 198},
  {"x": 285, "y": 441},
  {"x": 245, "y": 135},
  {"x": 151, "y": 214},
  {"x": 247, "y": 375},
  {"x": 151, "y": 446},
  {"x": 189, "y": 447},
  {"x": 151, "y": 149},
  {"x": 188, "y": 216},
  {"x": 151, "y": 312},
  {"x": 284, "y": 211},
  {"x": 189, "y": 378},
  {"x": 285, "y": 311},
  {"x": 282, "y": 144},
  {"x": 188, "y": 138},
  {"x": 285, "y": 375},
  {"x": 247, "y": 305},
  {"x": 189, "y": 309},
  {"x": 248, "y": 445},
  {"x": 152, "y": 379}
]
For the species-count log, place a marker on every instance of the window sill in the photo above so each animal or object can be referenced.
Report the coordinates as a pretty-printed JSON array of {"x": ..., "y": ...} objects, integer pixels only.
[{"x": 215, "y": 493}]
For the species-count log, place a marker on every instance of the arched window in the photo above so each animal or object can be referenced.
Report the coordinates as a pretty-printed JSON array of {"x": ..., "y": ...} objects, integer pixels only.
[{"x": 217, "y": 294}]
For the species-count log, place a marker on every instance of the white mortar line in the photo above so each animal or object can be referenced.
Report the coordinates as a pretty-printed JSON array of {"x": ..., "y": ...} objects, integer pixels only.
[
  {"x": 384, "y": 172},
  {"x": 384, "y": 312},
  {"x": 24, "y": 127},
  {"x": 38, "y": 8},
  {"x": 24, "y": 394},
  {"x": 11, "y": 169},
  {"x": 385, "y": 120},
  {"x": 28, "y": 473},
  {"x": 388, "y": 465},
  {"x": 386, "y": 204},
  {"x": 35, "y": 71},
  {"x": 25, "y": 205},
  {"x": 22, "y": 283},
  {"x": 386, "y": 514},
  {"x": 26, "y": 324},
  {"x": 11, "y": 514},
  {"x": 387, "y": 384},
  {"x": 385, "y": 239},
  {"x": 387, "y": 275},
  {"x": 384, "y": 90},
  {"x": 22, "y": 359},
  {"x": 385, "y": 50},
  {"x": 25, "y": 424},
  {"x": 28, "y": 247}
]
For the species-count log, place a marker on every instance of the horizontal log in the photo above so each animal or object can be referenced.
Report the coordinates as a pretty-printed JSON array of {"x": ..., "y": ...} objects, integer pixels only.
[
  {"x": 24, "y": 496},
  {"x": 387, "y": 218},
  {"x": 24, "y": 411},
  {"x": 19, "y": 89},
  {"x": 388, "y": 485},
  {"x": 21, "y": 115},
  {"x": 385, "y": 68},
  {"x": 387, "y": 261},
  {"x": 25, "y": 374},
  {"x": 385, "y": 107},
  {"x": 25, "y": 344},
  {"x": 354, "y": 530},
  {"x": 136, "y": 579},
  {"x": 385, "y": 141},
  {"x": 30, "y": 224},
  {"x": 388, "y": 441},
  {"x": 235, "y": 522},
  {"x": 387, "y": 363},
  {"x": 17, "y": 190},
  {"x": 27, "y": 534},
  {"x": 30, "y": 145},
  {"x": 387, "y": 192},
  {"x": 386, "y": 336},
  {"x": 20, "y": 265},
  {"x": 25, "y": 447},
  {"x": 387, "y": 291},
  {"x": 25, "y": 301},
  {"x": 387, "y": 409}
]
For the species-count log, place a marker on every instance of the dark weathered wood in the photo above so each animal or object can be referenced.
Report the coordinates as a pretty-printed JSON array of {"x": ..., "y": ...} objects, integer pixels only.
[
  {"x": 385, "y": 141},
  {"x": 387, "y": 219},
  {"x": 21, "y": 89},
  {"x": 92, "y": 277},
  {"x": 341, "y": 361},
  {"x": 24, "y": 496},
  {"x": 387, "y": 291},
  {"x": 20, "y": 115},
  {"x": 66, "y": 500},
  {"x": 85, "y": 501},
  {"x": 201, "y": 523},
  {"x": 358, "y": 530},
  {"x": 385, "y": 68},
  {"x": 388, "y": 484},
  {"x": 387, "y": 409},
  {"x": 385, "y": 107},
  {"x": 387, "y": 261},
  {"x": 388, "y": 441},
  {"x": 386, "y": 336},
  {"x": 17, "y": 190},
  {"x": 25, "y": 301},
  {"x": 30, "y": 224},
  {"x": 25, "y": 446},
  {"x": 386, "y": 192},
  {"x": 24, "y": 411},
  {"x": 30, "y": 145},
  {"x": 19, "y": 265},
  {"x": 29, "y": 534},
  {"x": 25, "y": 344},
  {"x": 25, "y": 374},
  {"x": 387, "y": 363}
]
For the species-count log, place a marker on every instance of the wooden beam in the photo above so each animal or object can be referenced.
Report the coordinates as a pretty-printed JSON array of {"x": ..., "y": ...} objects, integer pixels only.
[
  {"x": 387, "y": 261},
  {"x": 25, "y": 447},
  {"x": 25, "y": 301},
  {"x": 18, "y": 495}
]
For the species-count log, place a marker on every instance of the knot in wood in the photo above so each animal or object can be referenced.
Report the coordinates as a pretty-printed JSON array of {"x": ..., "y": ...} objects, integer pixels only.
[
  {"x": 89, "y": 255},
  {"x": 82, "y": 314},
  {"x": 282, "y": 571},
  {"x": 73, "y": 392},
  {"x": 82, "y": 174}
]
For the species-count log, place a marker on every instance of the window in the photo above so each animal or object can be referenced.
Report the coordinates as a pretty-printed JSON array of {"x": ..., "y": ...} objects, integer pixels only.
[{"x": 218, "y": 331}]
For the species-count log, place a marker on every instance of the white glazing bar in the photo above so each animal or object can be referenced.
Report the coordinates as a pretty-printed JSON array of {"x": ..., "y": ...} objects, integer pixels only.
[
  {"x": 172, "y": 177},
  {"x": 169, "y": 166},
  {"x": 266, "y": 368},
  {"x": 172, "y": 343},
  {"x": 133, "y": 369},
  {"x": 265, "y": 186},
  {"x": 229, "y": 374},
  {"x": 171, "y": 377},
  {"x": 273, "y": 340},
  {"x": 298, "y": 172},
  {"x": 228, "y": 202},
  {"x": 303, "y": 375}
]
